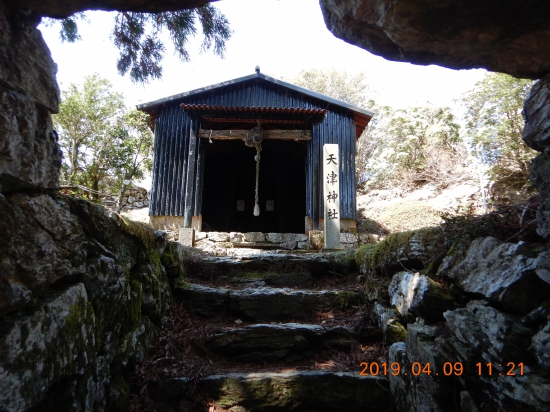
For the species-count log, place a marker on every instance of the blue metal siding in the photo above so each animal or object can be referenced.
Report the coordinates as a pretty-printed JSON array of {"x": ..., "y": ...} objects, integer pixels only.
[{"x": 172, "y": 145}]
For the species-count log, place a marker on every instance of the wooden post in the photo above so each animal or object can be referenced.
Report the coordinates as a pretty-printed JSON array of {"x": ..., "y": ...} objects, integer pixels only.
[
  {"x": 190, "y": 179},
  {"x": 315, "y": 180},
  {"x": 331, "y": 196},
  {"x": 199, "y": 184}
]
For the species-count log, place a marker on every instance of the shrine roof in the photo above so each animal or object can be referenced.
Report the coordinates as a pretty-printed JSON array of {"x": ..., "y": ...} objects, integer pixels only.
[{"x": 361, "y": 116}]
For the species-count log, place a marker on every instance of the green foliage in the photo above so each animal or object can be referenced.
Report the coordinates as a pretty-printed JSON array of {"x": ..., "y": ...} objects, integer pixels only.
[
  {"x": 69, "y": 27},
  {"x": 136, "y": 35},
  {"x": 509, "y": 223},
  {"x": 87, "y": 119},
  {"x": 135, "y": 152},
  {"x": 103, "y": 144},
  {"x": 411, "y": 146},
  {"x": 406, "y": 147},
  {"x": 464, "y": 228},
  {"x": 494, "y": 125}
]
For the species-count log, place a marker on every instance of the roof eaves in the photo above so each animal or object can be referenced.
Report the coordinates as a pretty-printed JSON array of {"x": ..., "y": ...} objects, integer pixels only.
[
  {"x": 155, "y": 103},
  {"x": 152, "y": 104}
]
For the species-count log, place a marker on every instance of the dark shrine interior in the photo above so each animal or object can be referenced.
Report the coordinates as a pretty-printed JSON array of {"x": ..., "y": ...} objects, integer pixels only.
[{"x": 229, "y": 185}]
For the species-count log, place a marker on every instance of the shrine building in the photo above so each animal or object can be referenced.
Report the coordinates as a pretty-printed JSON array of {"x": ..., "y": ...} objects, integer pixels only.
[{"x": 205, "y": 169}]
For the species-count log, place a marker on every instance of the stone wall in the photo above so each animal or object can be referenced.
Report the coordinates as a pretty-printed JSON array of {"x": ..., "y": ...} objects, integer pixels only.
[
  {"x": 82, "y": 291},
  {"x": 135, "y": 198},
  {"x": 448, "y": 312}
]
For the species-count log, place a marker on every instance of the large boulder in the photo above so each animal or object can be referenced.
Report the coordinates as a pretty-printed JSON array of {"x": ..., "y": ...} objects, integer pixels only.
[
  {"x": 43, "y": 244},
  {"x": 541, "y": 346},
  {"x": 481, "y": 332},
  {"x": 514, "y": 275},
  {"x": 480, "y": 335},
  {"x": 509, "y": 37},
  {"x": 78, "y": 298},
  {"x": 420, "y": 384},
  {"x": 536, "y": 135},
  {"x": 540, "y": 170},
  {"x": 536, "y": 111},
  {"x": 55, "y": 343},
  {"x": 418, "y": 295},
  {"x": 29, "y": 154}
]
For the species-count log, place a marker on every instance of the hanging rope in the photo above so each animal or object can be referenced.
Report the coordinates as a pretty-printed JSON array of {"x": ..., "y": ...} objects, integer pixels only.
[{"x": 257, "y": 159}]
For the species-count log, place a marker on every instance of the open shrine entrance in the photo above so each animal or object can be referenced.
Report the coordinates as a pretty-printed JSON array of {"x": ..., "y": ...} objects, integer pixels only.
[
  {"x": 229, "y": 187},
  {"x": 230, "y": 137}
]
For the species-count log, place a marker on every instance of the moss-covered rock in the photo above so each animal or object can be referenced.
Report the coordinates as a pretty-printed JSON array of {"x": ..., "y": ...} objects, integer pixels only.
[
  {"x": 84, "y": 281},
  {"x": 402, "y": 250},
  {"x": 156, "y": 293},
  {"x": 346, "y": 298},
  {"x": 376, "y": 287},
  {"x": 55, "y": 342},
  {"x": 390, "y": 322}
]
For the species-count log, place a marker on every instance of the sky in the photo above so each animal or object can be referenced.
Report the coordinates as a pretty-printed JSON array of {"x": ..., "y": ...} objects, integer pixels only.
[{"x": 283, "y": 37}]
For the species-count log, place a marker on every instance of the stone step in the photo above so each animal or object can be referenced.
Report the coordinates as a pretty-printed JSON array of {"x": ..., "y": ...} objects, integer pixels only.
[
  {"x": 304, "y": 266},
  {"x": 288, "y": 391},
  {"x": 262, "y": 304},
  {"x": 270, "y": 342},
  {"x": 257, "y": 245}
]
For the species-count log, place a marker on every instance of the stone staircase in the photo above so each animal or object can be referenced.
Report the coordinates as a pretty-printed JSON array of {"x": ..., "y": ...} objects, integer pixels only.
[
  {"x": 291, "y": 331},
  {"x": 236, "y": 244}
]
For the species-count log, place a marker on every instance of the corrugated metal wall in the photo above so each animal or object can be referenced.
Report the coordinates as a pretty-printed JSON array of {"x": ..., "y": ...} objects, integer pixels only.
[
  {"x": 172, "y": 132},
  {"x": 337, "y": 128}
]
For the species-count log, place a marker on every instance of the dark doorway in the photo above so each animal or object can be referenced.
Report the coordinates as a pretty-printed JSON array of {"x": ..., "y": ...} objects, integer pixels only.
[{"x": 229, "y": 177}]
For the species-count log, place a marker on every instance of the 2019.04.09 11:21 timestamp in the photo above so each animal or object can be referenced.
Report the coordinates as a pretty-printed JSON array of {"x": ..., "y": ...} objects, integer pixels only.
[
  {"x": 510, "y": 369},
  {"x": 447, "y": 369},
  {"x": 415, "y": 369}
]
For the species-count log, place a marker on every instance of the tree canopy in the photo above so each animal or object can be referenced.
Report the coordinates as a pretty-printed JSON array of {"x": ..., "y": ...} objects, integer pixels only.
[
  {"x": 412, "y": 146},
  {"x": 104, "y": 145},
  {"x": 136, "y": 35},
  {"x": 416, "y": 145},
  {"x": 494, "y": 127},
  {"x": 399, "y": 147}
]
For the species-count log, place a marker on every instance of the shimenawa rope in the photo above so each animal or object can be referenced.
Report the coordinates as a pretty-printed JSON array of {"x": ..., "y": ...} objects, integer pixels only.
[{"x": 257, "y": 158}]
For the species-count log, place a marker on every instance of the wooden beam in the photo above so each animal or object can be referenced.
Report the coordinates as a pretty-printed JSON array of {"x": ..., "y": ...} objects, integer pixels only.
[
  {"x": 268, "y": 134},
  {"x": 254, "y": 121}
]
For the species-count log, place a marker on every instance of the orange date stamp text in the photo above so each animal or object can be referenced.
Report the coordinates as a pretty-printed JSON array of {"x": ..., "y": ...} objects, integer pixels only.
[{"x": 447, "y": 369}]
